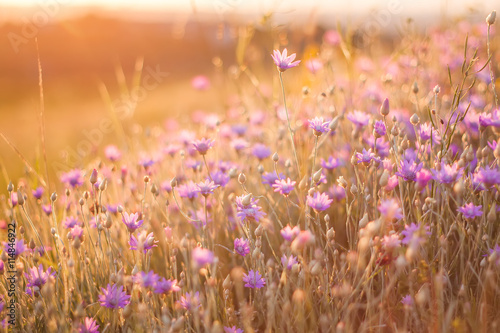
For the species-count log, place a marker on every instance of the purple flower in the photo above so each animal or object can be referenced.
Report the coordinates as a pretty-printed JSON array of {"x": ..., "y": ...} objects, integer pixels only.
[
  {"x": 253, "y": 280},
  {"x": 89, "y": 326},
  {"x": 411, "y": 234},
  {"x": 250, "y": 211},
  {"x": 448, "y": 173},
  {"x": 470, "y": 211},
  {"x": 314, "y": 65},
  {"x": 76, "y": 232},
  {"x": 190, "y": 301},
  {"x": 423, "y": 177},
  {"x": 490, "y": 119},
  {"x": 164, "y": 286},
  {"x": 365, "y": 157},
  {"x": 36, "y": 278},
  {"x": 220, "y": 178},
  {"x": 269, "y": 178},
  {"x": 319, "y": 201},
  {"x": 188, "y": 190},
  {"x": 319, "y": 126},
  {"x": 284, "y": 186},
  {"x": 114, "y": 297},
  {"x": 288, "y": 262},
  {"x": 241, "y": 246},
  {"x": 38, "y": 192},
  {"x": 131, "y": 221},
  {"x": 408, "y": 169},
  {"x": 488, "y": 177},
  {"x": 16, "y": 250},
  {"x": 112, "y": 153},
  {"x": 146, "y": 280},
  {"x": 390, "y": 209},
  {"x": 261, "y": 151},
  {"x": 426, "y": 132},
  {"x": 202, "y": 257},
  {"x": 379, "y": 129},
  {"x": 70, "y": 221},
  {"x": 283, "y": 61},
  {"x": 47, "y": 209},
  {"x": 233, "y": 329},
  {"x": 144, "y": 241},
  {"x": 73, "y": 178},
  {"x": 203, "y": 145},
  {"x": 288, "y": 233},
  {"x": 331, "y": 163},
  {"x": 359, "y": 118},
  {"x": 407, "y": 301},
  {"x": 206, "y": 187},
  {"x": 239, "y": 144}
]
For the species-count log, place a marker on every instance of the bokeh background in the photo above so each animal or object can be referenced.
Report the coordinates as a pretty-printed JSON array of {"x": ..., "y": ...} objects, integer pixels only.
[{"x": 92, "y": 53}]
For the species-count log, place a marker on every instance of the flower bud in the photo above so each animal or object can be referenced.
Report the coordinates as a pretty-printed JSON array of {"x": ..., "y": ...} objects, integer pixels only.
[
  {"x": 384, "y": 109},
  {"x": 414, "y": 120},
  {"x": 490, "y": 19},
  {"x": 242, "y": 178},
  {"x": 93, "y": 177},
  {"x": 276, "y": 157}
]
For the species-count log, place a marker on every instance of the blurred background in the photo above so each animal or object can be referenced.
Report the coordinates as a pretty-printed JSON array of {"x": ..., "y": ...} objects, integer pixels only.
[{"x": 93, "y": 51}]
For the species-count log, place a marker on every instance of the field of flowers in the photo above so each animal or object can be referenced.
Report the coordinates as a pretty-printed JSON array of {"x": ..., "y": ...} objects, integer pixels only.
[{"x": 364, "y": 201}]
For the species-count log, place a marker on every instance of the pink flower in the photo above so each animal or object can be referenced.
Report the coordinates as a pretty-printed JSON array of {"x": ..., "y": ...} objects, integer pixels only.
[
  {"x": 202, "y": 257},
  {"x": 283, "y": 61}
]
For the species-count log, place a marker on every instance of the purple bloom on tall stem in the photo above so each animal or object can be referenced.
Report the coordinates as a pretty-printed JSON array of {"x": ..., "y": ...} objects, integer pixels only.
[
  {"x": 269, "y": 178},
  {"x": 426, "y": 132},
  {"x": 131, "y": 221},
  {"x": 233, "y": 329},
  {"x": 253, "y": 280},
  {"x": 69, "y": 222},
  {"x": 112, "y": 153},
  {"x": 412, "y": 234},
  {"x": 241, "y": 246},
  {"x": 114, "y": 297},
  {"x": 220, "y": 178},
  {"x": 163, "y": 286},
  {"x": 470, "y": 211},
  {"x": 190, "y": 301},
  {"x": 390, "y": 209},
  {"x": 490, "y": 119},
  {"x": 365, "y": 157},
  {"x": 261, "y": 151},
  {"x": 38, "y": 192},
  {"x": 18, "y": 249},
  {"x": 89, "y": 326},
  {"x": 250, "y": 211},
  {"x": 239, "y": 144},
  {"x": 288, "y": 233},
  {"x": 288, "y": 262},
  {"x": 37, "y": 278},
  {"x": 408, "y": 169},
  {"x": 146, "y": 280},
  {"x": 488, "y": 177},
  {"x": 379, "y": 129},
  {"x": 206, "y": 187},
  {"x": 73, "y": 178},
  {"x": 423, "y": 178},
  {"x": 202, "y": 257},
  {"x": 143, "y": 241},
  {"x": 189, "y": 190},
  {"x": 358, "y": 118},
  {"x": 203, "y": 145},
  {"x": 331, "y": 163},
  {"x": 283, "y": 60},
  {"x": 284, "y": 186},
  {"x": 319, "y": 126},
  {"x": 47, "y": 209},
  {"x": 448, "y": 173},
  {"x": 319, "y": 201}
]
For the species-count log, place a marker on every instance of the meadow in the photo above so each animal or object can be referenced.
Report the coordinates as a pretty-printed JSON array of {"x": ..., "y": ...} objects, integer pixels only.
[{"x": 344, "y": 184}]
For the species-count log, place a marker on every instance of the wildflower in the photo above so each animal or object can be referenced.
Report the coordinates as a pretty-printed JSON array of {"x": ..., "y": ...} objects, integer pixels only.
[
  {"x": 331, "y": 163},
  {"x": 239, "y": 144},
  {"x": 202, "y": 257},
  {"x": 114, "y": 297},
  {"x": 47, "y": 209},
  {"x": 16, "y": 250},
  {"x": 241, "y": 246},
  {"x": 190, "y": 301},
  {"x": 69, "y": 222},
  {"x": 261, "y": 151},
  {"x": 73, "y": 178},
  {"x": 288, "y": 262},
  {"x": 390, "y": 209},
  {"x": 131, "y": 221},
  {"x": 365, "y": 157},
  {"x": 220, "y": 178},
  {"x": 233, "y": 329},
  {"x": 76, "y": 232},
  {"x": 408, "y": 169},
  {"x": 288, "y": 233},
  {"x": 253, "y": 280},
  {"x": 143, "y": 241},
  {"x": 319, "y": 202},
  {"x": 336, "y": 192},
  {"x": 423, "y": 177},
  {"x": 379, "y": 129},
  {"x": 206, "y": 187},
  {"x": 407, "y": 301},
  {"x": 146, "y": 280},
  {"x": 391, "y": 242},
  {"x": 269, "y": 178},
  {"x": 37, "y": 278},
  {"x": 283, "y": 61},
  {"x": 200, "y": 82},
  {"x": 319, "y": 126},
  {"x": 488, "y": 177},
  {"x": 250, "y": 211},
  {"x": 448, "y": 173},
  {"x": 304, "y": 238},
  {"x": 112, "y": 153},
  {"x": 426, "y": 132},
  {"x": 391, "y": 183},
  {"x": 38, "y": 192},
  {"x": 314, "y": 65},
  {"x": 203, "y": 145},
  {"x": 411, "y": 234},
  {"x": 490, "y": 119},
  {"x": 359, "y": 118},
  {"x": 284, "y": 186},
  {"x": 89, "y": 326},
  {"x": 188, "y": 190},
  {"x": 163, "y": 286},
  {"x": 470, "y": 211}
]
